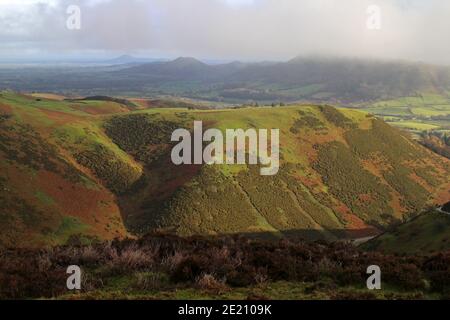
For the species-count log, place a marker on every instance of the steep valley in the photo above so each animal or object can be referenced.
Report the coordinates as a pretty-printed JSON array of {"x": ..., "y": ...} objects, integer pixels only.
[{"x": 102, "y": 169}]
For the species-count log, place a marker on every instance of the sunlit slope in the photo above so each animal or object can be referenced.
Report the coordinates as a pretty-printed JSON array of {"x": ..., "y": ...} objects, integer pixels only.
[
  {"x": 49, "y": 192},
  {"x": 343, "y": 173},
  {"x": 99, "y": 168}
]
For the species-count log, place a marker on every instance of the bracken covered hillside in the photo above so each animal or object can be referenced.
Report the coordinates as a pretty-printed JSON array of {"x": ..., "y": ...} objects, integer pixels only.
[
  {"x": 102, "y": 169},
  {"x": 343, "y": 173}
]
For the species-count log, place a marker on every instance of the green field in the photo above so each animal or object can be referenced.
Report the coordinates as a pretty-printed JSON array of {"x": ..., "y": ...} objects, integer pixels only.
[{"x": 423, "y": 112}]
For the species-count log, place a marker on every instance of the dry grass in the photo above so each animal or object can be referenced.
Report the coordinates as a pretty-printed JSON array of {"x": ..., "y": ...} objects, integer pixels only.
[
  {"x": 208, "y": 282},
  {"x": 158, "y": 262}
]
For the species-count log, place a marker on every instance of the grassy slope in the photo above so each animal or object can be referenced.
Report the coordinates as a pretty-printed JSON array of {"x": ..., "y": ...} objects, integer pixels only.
[
  {"x": 341, "y": 171},
  {"x": 47, "y": 196},
  {"x": 427, "y": 233},
  {"x": 332, "y": 178}
]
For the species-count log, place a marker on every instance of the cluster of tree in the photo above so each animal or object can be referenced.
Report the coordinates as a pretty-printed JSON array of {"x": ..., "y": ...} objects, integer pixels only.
[
  {"x": 441, "y": 135},
  {"x": 256, "y": 104},
  {"x": 437, "y": 141}
]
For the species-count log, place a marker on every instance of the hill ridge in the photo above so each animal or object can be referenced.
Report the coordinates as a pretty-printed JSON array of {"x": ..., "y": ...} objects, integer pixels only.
[{"x": 325, "y": 187}]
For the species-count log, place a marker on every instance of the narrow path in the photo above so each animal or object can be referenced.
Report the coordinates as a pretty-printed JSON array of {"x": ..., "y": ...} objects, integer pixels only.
[
  {"x": 442, "y": 211},
  {"x": 360, "y": 241}
]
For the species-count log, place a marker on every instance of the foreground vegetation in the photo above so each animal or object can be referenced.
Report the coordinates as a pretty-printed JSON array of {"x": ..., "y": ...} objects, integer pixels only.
[{"x": 167, "y": 267}]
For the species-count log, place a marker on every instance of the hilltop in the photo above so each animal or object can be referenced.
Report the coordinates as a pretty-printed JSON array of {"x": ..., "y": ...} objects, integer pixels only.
[{"x": 102, "y": 169}]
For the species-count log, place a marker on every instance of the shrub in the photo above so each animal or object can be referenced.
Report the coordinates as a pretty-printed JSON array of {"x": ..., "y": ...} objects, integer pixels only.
[
  {"x": 129, "y": 259},
  {"x": 148, "y": 281},
  {"x": 209, "y": 282},
  {"x": 158, "y": 262}
]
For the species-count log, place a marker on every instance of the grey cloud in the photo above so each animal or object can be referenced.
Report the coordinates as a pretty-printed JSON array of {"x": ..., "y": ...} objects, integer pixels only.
[{"x": 247, "y": 29}]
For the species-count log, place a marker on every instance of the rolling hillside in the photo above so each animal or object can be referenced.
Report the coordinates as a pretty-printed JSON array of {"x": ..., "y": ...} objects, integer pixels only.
[
  {"x": 426, "y": 234},
  {"x": 46, "y": 194},
  {"x": 318, "y": 80},
  {"x": 98, "y": 168}
]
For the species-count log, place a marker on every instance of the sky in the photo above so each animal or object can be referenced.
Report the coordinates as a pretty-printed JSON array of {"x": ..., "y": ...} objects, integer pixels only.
[{"x": 416, "y": 30}]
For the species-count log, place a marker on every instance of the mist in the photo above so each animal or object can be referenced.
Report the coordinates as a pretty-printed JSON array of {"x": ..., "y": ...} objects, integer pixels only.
[{"x": 227, "y": 29}]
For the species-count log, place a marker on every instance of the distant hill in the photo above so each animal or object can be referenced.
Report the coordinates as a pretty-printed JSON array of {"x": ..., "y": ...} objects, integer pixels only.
[
  {"x": 354, "y": 79},
  {"x": 317, "y": 80},
  {"x": 183, "y": 68},
  {"x": 348, "y": 80},
  {"x": 99, "y": 169},
  {"x": 128, "y": 59},
  {"x": 180, "y": 69}
]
